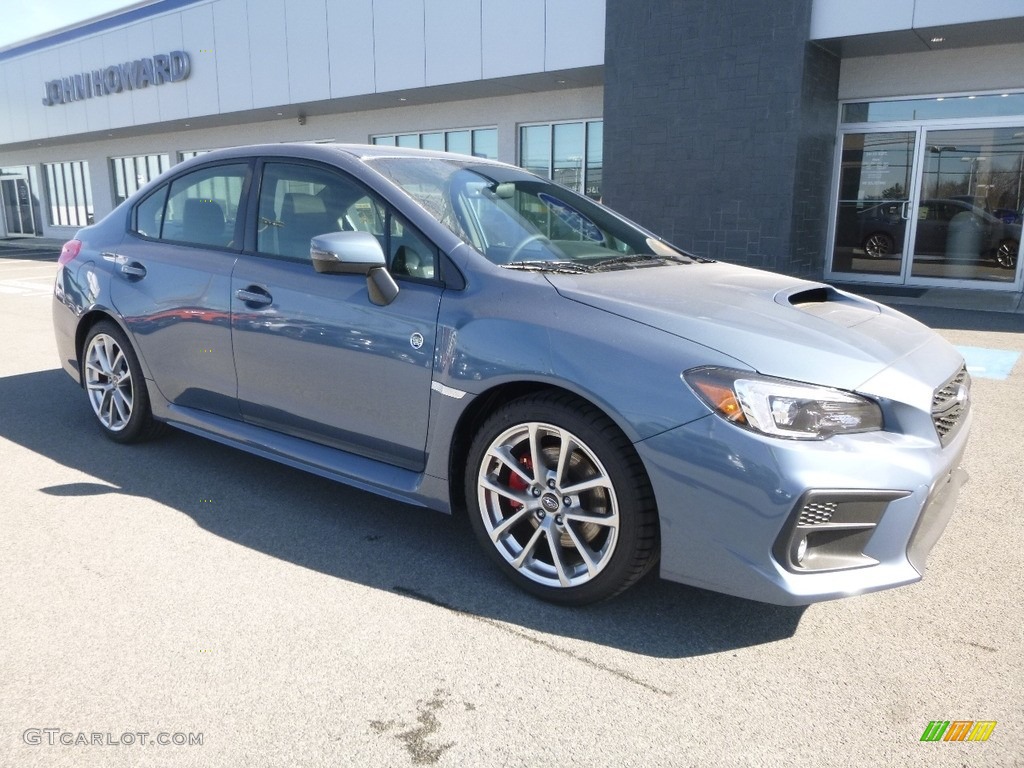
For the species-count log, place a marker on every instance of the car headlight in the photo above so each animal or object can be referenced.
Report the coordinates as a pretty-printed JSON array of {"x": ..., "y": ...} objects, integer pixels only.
[{"x": 782, "y": 408}]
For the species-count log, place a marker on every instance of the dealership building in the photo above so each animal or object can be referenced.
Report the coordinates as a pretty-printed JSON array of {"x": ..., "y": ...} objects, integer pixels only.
[{"x": 877, "y": 141}]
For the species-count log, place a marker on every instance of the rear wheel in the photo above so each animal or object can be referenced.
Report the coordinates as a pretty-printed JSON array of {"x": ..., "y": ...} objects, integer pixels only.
[
  {"x": 560, "y": 501},
  {"x": 878, "y": 245},
  {"x": 115, "y": 385},
  {"x": 1006, "y": 254}
]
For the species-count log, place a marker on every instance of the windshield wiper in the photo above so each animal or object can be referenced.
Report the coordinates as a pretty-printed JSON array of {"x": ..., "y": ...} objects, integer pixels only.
[
  {"x": 540, "y": 265},
  {"x": 642, "y": 260}
]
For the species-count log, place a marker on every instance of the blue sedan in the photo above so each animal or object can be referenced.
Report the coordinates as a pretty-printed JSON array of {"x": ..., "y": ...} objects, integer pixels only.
[{"x": 459, "y": 334}]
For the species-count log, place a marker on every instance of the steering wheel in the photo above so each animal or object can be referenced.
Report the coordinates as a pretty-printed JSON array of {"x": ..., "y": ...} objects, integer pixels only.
[{"x": 518, "y": 249}]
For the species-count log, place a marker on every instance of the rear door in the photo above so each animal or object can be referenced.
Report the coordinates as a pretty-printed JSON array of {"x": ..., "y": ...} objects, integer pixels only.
[{"x": 171, "y": 283}]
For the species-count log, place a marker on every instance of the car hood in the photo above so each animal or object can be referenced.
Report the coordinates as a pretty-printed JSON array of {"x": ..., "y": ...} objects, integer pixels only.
[{"x": 777, "y": 325}]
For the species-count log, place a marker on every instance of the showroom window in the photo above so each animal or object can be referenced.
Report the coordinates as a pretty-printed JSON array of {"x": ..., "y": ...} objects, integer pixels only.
[
  {"x": 188, "y": 154},
  {"x": 69, "y": 193},
  {"x": 132, "y": 173},
  {"x": 19, "y": 191},
  {"x": 478, "y": 142},
  {"x": 571, "y": 154}
]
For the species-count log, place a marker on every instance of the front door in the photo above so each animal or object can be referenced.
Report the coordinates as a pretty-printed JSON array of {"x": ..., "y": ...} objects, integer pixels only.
[{"x": 315, "y": 358}]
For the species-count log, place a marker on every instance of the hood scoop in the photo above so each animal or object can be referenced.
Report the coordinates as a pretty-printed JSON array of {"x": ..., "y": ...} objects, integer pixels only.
[{"x": 826, "y": 302}]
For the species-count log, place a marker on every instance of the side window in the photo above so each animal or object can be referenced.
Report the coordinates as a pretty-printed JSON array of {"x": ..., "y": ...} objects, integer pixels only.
[
  {"x": 202, "y": 206},
  {"x": 299, "y": 202},
  {"x": 409, "y": 254},
  {"x": 149, "y": 214}
]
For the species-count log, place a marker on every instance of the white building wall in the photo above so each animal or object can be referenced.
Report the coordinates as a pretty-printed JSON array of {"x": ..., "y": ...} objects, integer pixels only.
[
  {"x": 251, "y": 54},
  {"x": 844, "y": 18},
  {"x": 506, "y": 113},
  {"x": 959, "y": 70}
]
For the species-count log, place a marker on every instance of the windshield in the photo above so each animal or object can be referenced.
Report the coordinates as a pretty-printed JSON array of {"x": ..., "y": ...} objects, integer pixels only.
[{"x": 519, "y": 220}]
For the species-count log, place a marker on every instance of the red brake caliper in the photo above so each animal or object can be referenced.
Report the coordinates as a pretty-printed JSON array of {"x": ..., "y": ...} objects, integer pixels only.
[{"x": 516, "y": 483}]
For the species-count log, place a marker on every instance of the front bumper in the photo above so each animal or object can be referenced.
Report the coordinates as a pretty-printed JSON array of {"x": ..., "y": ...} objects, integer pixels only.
[{"x": 730, "y": 504}]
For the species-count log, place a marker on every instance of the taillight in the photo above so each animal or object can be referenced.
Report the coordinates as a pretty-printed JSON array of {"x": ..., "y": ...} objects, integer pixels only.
[{"x": 69, "y": 251}]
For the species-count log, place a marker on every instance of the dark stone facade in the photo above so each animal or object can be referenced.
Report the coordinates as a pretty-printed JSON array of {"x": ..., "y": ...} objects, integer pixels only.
[{"x": 720, "y": 123}]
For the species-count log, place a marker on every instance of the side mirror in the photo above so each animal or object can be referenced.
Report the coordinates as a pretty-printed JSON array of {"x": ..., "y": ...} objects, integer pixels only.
[{"x": 355, "y": 253}]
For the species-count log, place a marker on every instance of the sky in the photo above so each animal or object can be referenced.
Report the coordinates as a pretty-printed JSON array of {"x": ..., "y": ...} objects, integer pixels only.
[{"x": 20, "y": 20}]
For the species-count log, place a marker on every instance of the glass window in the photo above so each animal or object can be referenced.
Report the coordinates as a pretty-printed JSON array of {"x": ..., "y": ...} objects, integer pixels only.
[
  {"x": 595, "y": 158},
  {"x": 569, "y": 153},
  {"x": 149, "y": 214},
  {"x": 299, "y": 202},
  {"x": 479, "y": 142},
  {"x": 485, "y": 143},
  {"x": 132, "y": 173},
  {"x": 518, "y": 220},
  {"x": 460, "y": 142},
  {"x": 202, "y": 206},
  {"x": 69, "y": 193},
  {"x": 535, "y": 149},
  {"x": 935, "y": 108},
  {"x": 432, "y": 141}
]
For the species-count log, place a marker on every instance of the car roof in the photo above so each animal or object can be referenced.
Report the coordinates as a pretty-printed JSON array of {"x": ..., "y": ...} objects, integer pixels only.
[{"x": 328, "y": 149}]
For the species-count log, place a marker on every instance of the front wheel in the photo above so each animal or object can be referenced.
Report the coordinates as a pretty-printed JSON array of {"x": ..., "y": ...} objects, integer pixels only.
[
  {"x": 114, "y": 383},
  {"x": 560, "y": 501}
]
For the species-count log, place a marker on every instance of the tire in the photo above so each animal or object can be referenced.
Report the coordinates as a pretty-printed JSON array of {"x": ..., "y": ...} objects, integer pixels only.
[
  {"x": 114, "y": 383},
  {"x": 878, "y": 245},
  {"x": 583, "y": 529},
  {"x": 1006, "y": 254}
]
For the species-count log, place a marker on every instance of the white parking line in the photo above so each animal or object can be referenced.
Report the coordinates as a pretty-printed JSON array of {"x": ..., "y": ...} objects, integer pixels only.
[{"x": 32, "y": 286}]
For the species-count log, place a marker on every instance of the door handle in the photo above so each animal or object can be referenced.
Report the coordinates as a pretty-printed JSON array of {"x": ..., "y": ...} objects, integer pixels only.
[
  {"x": 254, "y": 295},
  {"x": 133, "y": 269}
]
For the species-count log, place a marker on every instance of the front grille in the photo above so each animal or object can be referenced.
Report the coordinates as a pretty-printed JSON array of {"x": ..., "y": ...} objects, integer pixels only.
[
  {"x": 816, "y": 513},
  {"x": 950, "y": 405}
]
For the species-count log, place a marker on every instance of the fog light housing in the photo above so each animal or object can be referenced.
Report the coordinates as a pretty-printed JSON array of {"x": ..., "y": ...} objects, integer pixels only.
[{"x": 828, "y": 530}]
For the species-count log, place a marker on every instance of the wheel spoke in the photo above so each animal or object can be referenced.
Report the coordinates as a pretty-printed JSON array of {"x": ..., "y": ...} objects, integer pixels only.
[
  {"x": 600, "y": 481},
  {"x": 565, "y": 451},
  {"x": 509, "y": 522},
  {"x": 508, "y": 493},
  {"x": 504, "y": 455},
  {"x": 531, "y": 545},
  {"x": 555, "y": 545},
  {"x": 535, "y": 455},
  {"x": 124, "y": 408},
  {"x": 609, "y": 521},
  {"x": 585, "y": 552}
]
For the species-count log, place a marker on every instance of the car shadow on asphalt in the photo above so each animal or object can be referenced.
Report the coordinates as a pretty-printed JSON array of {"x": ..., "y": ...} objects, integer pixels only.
[{"x": 366, "y": 539}]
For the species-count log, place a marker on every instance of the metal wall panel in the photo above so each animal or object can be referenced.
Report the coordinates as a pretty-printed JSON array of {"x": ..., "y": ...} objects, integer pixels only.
[
  {"x": 350, "y": 38},
  {"x": 399, "y": 44},
  {"x": 453, "y": 44},
  {"x": 522, "y": 21},
  {"x": 309, "y": 74}
]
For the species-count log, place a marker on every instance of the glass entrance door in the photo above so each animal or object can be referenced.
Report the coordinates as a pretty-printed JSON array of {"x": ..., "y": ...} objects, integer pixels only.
[
  {"x": 875, "y": 181},
  {"x": 20, "y": 201},
  {"x": 968, "y": 218},
  {"x": 930, "y": 206}
]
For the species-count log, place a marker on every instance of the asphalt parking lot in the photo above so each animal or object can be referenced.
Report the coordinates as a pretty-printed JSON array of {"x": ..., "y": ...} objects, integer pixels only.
[{"x": 181, "y": 603}]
